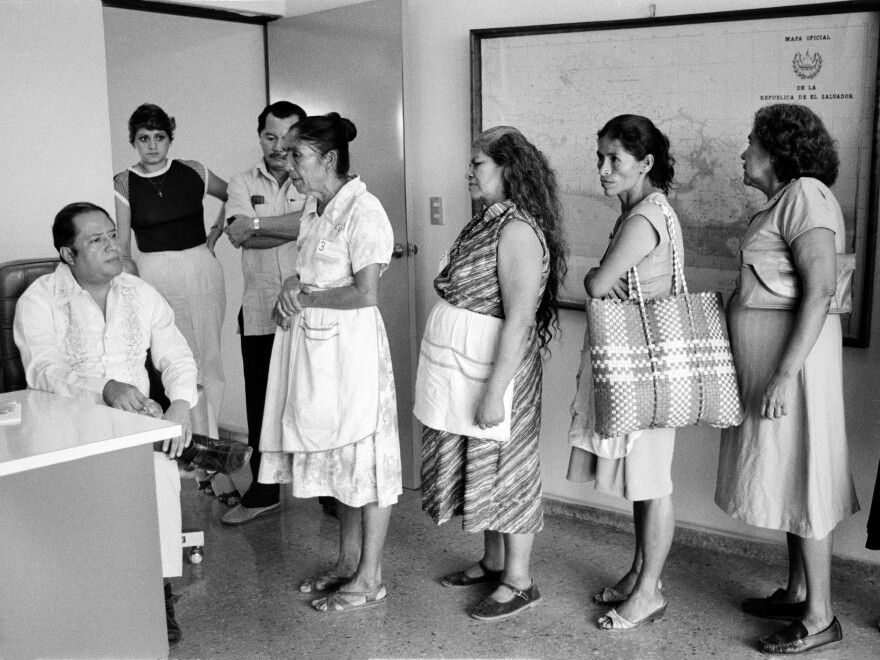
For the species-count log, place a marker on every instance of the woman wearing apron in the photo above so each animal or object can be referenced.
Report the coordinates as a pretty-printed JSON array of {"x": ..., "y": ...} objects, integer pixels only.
[{"x": 330, "y": 423}]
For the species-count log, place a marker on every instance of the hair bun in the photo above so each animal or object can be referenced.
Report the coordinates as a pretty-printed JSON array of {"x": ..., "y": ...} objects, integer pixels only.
[
  {"x": 343, "y": 127},
  {"x": 350, "y": 130}
]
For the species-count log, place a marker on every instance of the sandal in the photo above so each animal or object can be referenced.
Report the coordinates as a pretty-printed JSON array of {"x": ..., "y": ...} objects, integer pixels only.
[
  {"x": 614, "y": 622},
  {"x": 323, "y": 582},
  {"x": 462, "y": 579},
  {"x": 611, "y": 596},
  {"x": 346, "y": 601},
  {"x": 231, "y": 498},
  {"x": 490, "y": 609},
  {"x": 206, "y": 487}
]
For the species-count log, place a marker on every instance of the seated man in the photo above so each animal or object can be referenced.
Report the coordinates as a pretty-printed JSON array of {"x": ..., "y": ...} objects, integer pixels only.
[{"x": 83, "y": 332}]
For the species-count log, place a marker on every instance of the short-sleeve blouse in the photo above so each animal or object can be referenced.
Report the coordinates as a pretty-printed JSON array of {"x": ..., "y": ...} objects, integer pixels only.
[
  {"x": 352, "y": 233},
  {"x": 655, "y": 269},
  {"x": 167, "y": 211},
  {"x": 803, "y": 204}
]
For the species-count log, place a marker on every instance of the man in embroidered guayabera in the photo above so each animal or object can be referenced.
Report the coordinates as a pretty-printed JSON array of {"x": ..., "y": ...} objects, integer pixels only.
[{"x": 84, "y": 331}]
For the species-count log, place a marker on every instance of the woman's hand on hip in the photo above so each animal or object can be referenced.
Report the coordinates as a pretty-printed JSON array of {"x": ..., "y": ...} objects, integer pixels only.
[
  {"x": 776, "y": 399},
  {"x": 213, "y": 237},
  {"x": 490, "y": 411}
]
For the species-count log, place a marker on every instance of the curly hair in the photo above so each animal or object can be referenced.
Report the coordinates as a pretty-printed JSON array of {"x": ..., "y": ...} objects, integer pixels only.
[
  {"x": 152, "y": 118},
  {"x": 531, "y": 185},
  {"x": 798, "y": 143},
  {"x": 640, "y": 137}
]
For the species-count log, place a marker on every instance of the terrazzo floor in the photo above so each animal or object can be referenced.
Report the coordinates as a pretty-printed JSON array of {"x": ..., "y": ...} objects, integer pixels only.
[{"x": 243, "y": 600}]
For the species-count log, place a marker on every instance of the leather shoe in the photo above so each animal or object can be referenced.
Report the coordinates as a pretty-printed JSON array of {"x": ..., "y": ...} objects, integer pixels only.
[
  {"x": 462, "y": 579},
  {"x": 774, "y": 607},
  {"x": 174, "y": 632},
  {"x": 490, "y": 609},
  {"x": 223, "y": 456},
  {"x": 242, "y": 514},
  {"x": 794, "y": 639}
]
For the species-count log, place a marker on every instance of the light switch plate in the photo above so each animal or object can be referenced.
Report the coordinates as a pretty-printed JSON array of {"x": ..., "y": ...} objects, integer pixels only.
[{"x": 436, "y": 210}]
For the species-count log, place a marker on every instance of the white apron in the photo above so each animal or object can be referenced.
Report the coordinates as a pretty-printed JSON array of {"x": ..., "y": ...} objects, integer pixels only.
[
  {"x": 323, "y": 390},
  {"x": 456, "y": 360}
]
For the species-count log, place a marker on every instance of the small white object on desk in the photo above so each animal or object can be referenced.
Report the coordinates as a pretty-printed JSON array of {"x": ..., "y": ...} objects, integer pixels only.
[{"x": 10, "y": 412}]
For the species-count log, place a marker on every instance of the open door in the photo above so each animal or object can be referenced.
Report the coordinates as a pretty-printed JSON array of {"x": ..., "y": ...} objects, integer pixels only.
[{"x": 350, "y": 60}]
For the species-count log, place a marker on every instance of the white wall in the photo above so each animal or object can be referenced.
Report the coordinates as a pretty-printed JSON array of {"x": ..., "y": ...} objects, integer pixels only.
[
  {"x": 437, "y": 124},
  {"x": 210, "y": 76},
  {"x": 56, "y": 144},
  {"x": 54, "y": 124}
]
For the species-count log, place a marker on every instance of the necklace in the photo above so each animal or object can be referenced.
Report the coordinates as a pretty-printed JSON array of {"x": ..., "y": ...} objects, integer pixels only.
[{"x": 158, "y": 186}]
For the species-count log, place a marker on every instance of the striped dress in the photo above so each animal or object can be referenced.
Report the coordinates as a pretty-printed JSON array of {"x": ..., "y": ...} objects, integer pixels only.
[{"x": 493, "y": 486}]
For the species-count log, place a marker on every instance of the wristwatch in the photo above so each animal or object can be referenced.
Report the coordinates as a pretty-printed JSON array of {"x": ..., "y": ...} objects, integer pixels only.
[{"x": 256, "y": 224}]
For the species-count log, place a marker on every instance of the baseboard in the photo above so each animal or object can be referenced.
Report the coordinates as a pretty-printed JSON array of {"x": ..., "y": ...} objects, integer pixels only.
[
  {"x": 685, "y": 534},
  {"x": 694, "y": 536}
]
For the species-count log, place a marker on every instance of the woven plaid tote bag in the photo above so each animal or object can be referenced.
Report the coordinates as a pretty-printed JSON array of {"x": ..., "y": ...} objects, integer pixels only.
[{"x": 661, "y": 363}]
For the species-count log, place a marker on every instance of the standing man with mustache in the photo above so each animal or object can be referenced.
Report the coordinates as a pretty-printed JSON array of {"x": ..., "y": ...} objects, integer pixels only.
[{"x": 263, "y": 213}]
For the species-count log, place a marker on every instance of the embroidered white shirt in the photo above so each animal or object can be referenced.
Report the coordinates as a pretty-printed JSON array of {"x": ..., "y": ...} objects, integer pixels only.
[{"x": 69, "y": 348}]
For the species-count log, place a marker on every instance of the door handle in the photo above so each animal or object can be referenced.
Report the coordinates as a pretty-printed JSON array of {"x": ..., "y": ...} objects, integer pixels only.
[{"x": 399, "y": 250}]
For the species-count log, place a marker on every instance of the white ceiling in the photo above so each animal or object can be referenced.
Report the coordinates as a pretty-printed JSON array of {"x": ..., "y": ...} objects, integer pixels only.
[{"x": 265, "y": 7}]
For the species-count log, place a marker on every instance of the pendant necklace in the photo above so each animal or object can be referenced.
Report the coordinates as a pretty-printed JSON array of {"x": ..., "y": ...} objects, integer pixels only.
[{"x": 158, "y": 186}]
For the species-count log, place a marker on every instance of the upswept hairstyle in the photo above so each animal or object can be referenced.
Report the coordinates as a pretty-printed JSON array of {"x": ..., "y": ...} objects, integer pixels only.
[
  {"x": 327, "y": 132},
  {"x": 64, "y": 228},
  {"x": 151, "y": 117},
  {"x": 798, "y": 143},
  {"x": 640, "y": 137},
  {"x": 531, "y": 185},
  {"x": 282, "y": 110}
]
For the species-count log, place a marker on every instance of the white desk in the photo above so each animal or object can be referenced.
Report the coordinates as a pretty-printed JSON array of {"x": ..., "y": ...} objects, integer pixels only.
[{"x": 80, "y": 566}]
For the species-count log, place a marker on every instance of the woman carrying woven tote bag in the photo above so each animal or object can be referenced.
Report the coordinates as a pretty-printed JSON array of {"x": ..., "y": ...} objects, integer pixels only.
[{"x": 635, "y": 165}]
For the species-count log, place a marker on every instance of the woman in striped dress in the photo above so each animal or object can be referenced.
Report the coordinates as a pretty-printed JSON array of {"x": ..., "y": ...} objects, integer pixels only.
[{"x": 478, "y": 390}]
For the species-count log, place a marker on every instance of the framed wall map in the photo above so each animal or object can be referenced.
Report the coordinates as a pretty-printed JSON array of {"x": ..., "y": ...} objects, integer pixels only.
[{"x": 700, "y": 78}]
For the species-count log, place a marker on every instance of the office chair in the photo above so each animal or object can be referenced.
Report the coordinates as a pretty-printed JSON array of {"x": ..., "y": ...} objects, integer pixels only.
[{"x": 15, "y": 278}]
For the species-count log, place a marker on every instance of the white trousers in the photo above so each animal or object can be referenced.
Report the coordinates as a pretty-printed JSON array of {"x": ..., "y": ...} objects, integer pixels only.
[{"x": 168, "y": 501}]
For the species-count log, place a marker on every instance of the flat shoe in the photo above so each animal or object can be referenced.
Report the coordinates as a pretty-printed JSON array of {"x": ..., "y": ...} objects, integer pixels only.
[
  {"x": 230, "y": 499},
  {"x": 614, "y": 622},
  {"x": 462, "y": 579},
  {"x": 774, "y": 607},
  {"x": 611, "y": 596},
  {"x": 323, "y": 582},
  {"x": 346, "y": 601},
  {"x": 242, "y": 514},
  {"x": 795, "y": 638},
  {"x": 489, "y": 609}
]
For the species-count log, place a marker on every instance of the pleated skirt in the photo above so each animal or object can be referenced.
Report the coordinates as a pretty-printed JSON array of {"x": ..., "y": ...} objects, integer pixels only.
[{"x": 192, "y": 283}]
